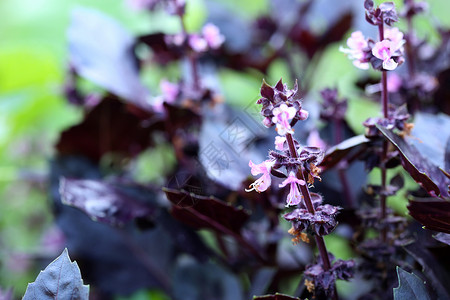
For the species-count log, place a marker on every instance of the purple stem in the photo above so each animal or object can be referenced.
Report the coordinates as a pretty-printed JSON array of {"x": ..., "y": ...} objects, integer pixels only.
[
  {"x": 192, "y": 57},
  {"x": 409, "y": 49},
  {"x": 385, "y": 103},
  {"x": 307, "y": 197}
]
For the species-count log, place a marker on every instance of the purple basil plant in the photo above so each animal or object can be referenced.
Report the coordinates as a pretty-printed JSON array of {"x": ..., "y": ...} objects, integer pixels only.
[{"x": 282, "y": 107}]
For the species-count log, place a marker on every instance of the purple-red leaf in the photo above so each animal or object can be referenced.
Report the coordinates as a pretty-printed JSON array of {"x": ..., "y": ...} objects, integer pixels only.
[
  {"x": 206, "y": 212},
  {"x": 104, "y": 202},
  {"x": 344, "y": 150},
  {"x": 267, "y": 91},
  {"x": 162, "y": 52},
  {"x": 433, "y": 213},
  {"x": 108, "y": 128},
  {"x": 443, "y": 238},
  {"x": 429, "y": 176}
]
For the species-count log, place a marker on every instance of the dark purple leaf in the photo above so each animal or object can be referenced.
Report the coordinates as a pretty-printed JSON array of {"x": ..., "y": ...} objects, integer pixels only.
[
  {"x": 429, "y": 176},
  {"x": 261, "y": 281},
  {"x": 205, "y": 281},
  {"x": 206, "y": 212},
  {"x": 101, "y": 50},
  {"x": 279, "y": 86},
  {"x": 442, "y": 93},
  {"x": 344, "y": 150},
  {"x": 313, "y": 43},
  {"x": 124, "y": 270},
  {"x": 443, "y": 238},
  {"x": 162, "y": 52},
  {"x": 433, "y": 267},
  {"x": 108, "y": 128},
  {"x": 104, "y": 202},
  {"x": 433, "y": 213},
  {"x": 267, "y": 91},
  {"x": 409, "y": 287},
  {"x": 181, "y": 118},
  {"x": 431, "y": 133},
  {"x": 277, "y": 296},
  {"x": 60, "y": 280}
]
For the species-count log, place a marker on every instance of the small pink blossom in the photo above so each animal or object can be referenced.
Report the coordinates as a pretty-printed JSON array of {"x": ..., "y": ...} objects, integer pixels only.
[
  {"x": 396, "y": 38},
  {"x": 264, "y": 168},
  {"x": 357, "y": 45},
  {"x": 198, "y": 43},
  {"x": 212, "y": 36},
  {"x": 282, "y": 117},
  {"x": 294, "y": 197},
  {"x": 384, "y": 51},
  {"x": 279, "y": 142},
  {"x": 169, "y": 90},
  {"x": 303, "y": 114},
  {"x": 169, "y": 95},
  {"x": 394, "y": 82}
]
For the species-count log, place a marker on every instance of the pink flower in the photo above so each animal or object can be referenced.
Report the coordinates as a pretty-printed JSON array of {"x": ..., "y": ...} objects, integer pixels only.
[
  {"x": 356, "y": 51},
  {"x": 169, "y": 90},
  {"x": 282, "y": 117},
  {"x": 262, "y": 183},
  {"x": 294, "y": 197},
  {"x": 384, "y": 50},
  {"x": 396, "y": 38},
  {"x": 303, "y": 114},
  {"x": 169, "y": 95},
  {"x": 212, "y": 36},
  {"x": 198, "y": 43},
  {"x": 394, "y": 83},
  {"x": 279, "y": 142}
]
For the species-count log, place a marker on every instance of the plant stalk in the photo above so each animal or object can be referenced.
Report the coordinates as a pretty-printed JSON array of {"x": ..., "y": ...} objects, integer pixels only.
[
  {"x": 307, "y": 197},
  {"x": 385, "y": 106},
  {"x": 192, "y": 57}
]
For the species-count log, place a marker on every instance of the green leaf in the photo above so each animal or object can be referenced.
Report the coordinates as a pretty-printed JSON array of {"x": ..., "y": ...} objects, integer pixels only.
[
  {"x": 60, "y": 280},
  {"x": 410, "y": 287}
]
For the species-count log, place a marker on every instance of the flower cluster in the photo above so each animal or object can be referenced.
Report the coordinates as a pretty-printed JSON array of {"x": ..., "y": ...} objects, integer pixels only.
[
  {"x": 386, "y": 54},
  {"x": 333, "y": 108},
  {"x": 316, "y": 276},
  {"x": 281, "y": 107},
  {"x": 397, "y": 120},
  {"x": 384, "y": 13},
  {"x": 209, "y": 39},
  {"x": 321, "y": 223}
]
